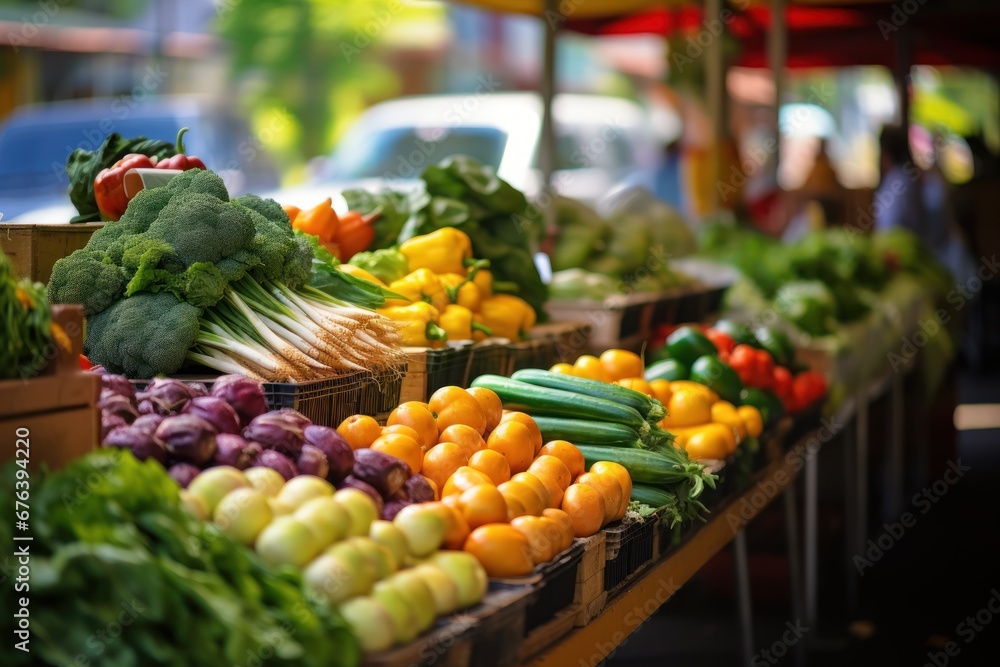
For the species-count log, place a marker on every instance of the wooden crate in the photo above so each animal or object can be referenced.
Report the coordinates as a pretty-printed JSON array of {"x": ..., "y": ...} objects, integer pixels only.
[
  {"x": 448, "y": 644},
  {"x": 590, "y": 594},
  {"x": 35, "y": 248},
  {"x": 57, "y": 409}
]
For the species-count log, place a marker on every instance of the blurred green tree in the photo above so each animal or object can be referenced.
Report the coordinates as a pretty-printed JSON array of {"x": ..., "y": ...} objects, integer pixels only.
[
  {"x": 122, "y": 9},
  {"x": 308, "y": 56}
]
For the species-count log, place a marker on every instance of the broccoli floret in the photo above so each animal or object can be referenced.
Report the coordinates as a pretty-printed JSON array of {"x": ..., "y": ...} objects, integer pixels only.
[
  {"x": 268, "y": 208},
  {"x": 143, "y": 336},
  {"x": 198, "y": 181},
  {"x": 202, "y": 228},
  {"x": 141, "y": 212},
  {"x": 85, "y": 278}
]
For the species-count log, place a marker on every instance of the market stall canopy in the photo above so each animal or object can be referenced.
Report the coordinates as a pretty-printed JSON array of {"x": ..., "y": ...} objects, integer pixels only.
[{"x": 821, "y": 34}]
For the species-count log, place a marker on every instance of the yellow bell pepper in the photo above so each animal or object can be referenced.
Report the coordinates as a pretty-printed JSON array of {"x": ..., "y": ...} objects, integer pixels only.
[
  {"x": 458, "y": 323},
  {"x": 687, "y": 407},
  {"x": 422, "y": 285},
  {"x": 462, "y": 291},
  {"x": 479, "y": 333},
  {"x": 724, "y": 412},
  {"x": 751, "y": 419},
  {"x": 443, "y": 251},
  {"x": 420, "y": 324},
  {"x": 483, "y": 279},
  {"x": 509, "y": 316},
  {"x": 358, "y": 272}
]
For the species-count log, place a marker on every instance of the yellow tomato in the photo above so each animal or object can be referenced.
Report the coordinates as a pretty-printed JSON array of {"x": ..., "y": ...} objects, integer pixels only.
[
  {"x": 563, "y": 369},
  {"x": 589, "y": 366},
  {"x": 678, "y": 385},
  {"x": 724, "y": 412},
  {"x": 687, "y": 408},
  {"x": 751, "y": 419},
  {"x": 712, "y": 441},
  {"x": 620, "y": 364},
  {"x": 636, "y": 384},
  {"x": 661, "y": 390}
]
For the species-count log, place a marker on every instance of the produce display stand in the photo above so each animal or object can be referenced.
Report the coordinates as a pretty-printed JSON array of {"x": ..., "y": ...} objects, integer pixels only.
[
  {"x": 429, "y": 369},
  {"x": 623, "y": 613},
  {"x": 33, "y": 249}
]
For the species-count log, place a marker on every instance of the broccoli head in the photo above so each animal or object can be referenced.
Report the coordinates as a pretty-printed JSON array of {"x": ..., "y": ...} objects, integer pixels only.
[
  {"x": 202, "y": 228},
  {"x": 144, "y": 335},
  {"x": 85, "y": 278}
]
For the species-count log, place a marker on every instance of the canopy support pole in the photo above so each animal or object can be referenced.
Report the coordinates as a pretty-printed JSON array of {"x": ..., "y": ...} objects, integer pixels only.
[
  {"x": 715, "y": 84},
  {"x": 546, "y": 158},
  {"x": 777, "y": 57}
]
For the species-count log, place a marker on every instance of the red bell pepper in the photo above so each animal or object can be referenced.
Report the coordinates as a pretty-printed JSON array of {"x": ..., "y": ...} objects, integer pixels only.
[
  {"x": 807, "y": 388},
  {"x": 181, "y": 161},
  {"x": 109, "y": 186},
  {"x": 782, "y": 382},
  {"x": 722, "y": 342}
]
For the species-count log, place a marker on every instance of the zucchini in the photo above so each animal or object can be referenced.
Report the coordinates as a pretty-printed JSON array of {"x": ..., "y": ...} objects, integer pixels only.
[
  {"x": 644, "y": 466},
  {"x": 647, "y": 406},
  {"x": 653, "y": 496},
  {"x": 557, "y": 403},
  {"x": 581, "y": 430}
]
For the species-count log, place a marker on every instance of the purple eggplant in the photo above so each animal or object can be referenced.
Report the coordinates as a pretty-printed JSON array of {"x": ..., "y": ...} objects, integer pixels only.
[
  {"x": 352, "y": 482},
  {"x": 281, "y": 430},
  {"x": 215, "y": 411},
  {"x": 270, "y": 458},
  {"x": 183, "y": 473},
  {"x": 386, "y": 473},
  {"x": 245, "y": 395},
  {"x": 167, "y": 396},
  {"x": 418, "y": 489},
  {"x": 233, "y": 450},
  {"x": 312, "y": 461},
  {"x": 391, "y": 509},
  {"x": 148, "y": 422},
  {"x": 339, "y": 454},
  {"x": 187, "y": 439},
  {"x": 141, "y": 444},
  {"x": 116, "y": 404}
]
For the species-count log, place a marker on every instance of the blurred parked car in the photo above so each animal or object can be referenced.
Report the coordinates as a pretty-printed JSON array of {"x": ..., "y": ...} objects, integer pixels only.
[
  {"x": 36, "y": 140},
  {"x": 599, "y": 142}
]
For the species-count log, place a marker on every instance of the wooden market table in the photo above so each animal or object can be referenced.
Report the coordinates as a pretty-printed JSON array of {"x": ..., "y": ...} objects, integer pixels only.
[{"x": 663, "y": 578}]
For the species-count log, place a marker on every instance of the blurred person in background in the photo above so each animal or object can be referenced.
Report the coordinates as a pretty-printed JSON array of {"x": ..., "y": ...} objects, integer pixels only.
[
  {"x": 898, "y": 200},
  {"x": 819, "y": 201}
]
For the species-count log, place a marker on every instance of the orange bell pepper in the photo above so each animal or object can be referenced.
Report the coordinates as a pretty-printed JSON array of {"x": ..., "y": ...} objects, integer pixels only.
[
  {"x": 356, "y": 234},
  {"x": 321, "y": 221}
]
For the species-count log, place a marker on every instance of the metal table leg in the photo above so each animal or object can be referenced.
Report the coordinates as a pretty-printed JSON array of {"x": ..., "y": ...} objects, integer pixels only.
[
  {"x": 861, "y": 505},
  {"x": 811, "y": 546},
  {"x": 850, "y": 516},
  {"x": 743, "y": 596},
  {"x": 794, "y": 573},
  {"x": 893, "y": 502}
]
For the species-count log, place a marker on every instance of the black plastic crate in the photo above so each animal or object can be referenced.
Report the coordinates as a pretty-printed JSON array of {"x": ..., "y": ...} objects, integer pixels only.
[
  {"x": 554, "y": 584},
  {"x": 488, "y": 358},
  {"x": 500, "y": 632},
  {"x": 448, "y": 366},
  {"x": 629, "y": 547}
]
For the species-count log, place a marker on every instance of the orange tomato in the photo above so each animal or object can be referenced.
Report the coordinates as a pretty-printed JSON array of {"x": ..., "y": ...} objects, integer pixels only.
[
  {"x": 462, "y": 479},
  {"x": 403, "y": 429},
  {"x": 525, "y": 495},
  {"x": 662, "y": 391},
  {"x": 444, "y": 397},
  {"x": 456, "y": 528},
  {"x": 636, "y": 384},
  {"x": 442, "y": 460},
  {"x": 624, "y": 478},
  {"x": 434, "y": 487},
  {"x": 563, "y": 369},
  {"x": 403, "y": 447},
  {"x": 553, "y": 472},
  {"x": 610, "y": 490},
  {"x": 490, "y": 403},
  {"x": 566, "y": 452},
  {"x": 465, "y": 437},
  {"x": 359, "y": 431},
  {"x": 502, "y": 550},
  {"x": 536, "y": 485},
  {"x": 619, "y": 364},
  {"x": 590, "y": 367},
  {"x": 529, "y": 423},
  {"x": 482, "y": 504},
  {"x": 565, "y": 523},
  {"x": 418, "y": 417},
  {"x": 515, "y": 507},
  {"x": 543, "y": 535},
  {"x": 513, "y": 440},
  {"x": 462, "y": 410},
  {"x": 585, "y": 507},
  {"x": 492, "y": 464}
]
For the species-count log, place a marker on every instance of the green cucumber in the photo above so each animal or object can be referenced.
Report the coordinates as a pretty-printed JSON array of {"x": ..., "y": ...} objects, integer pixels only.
[
  {"x": 653, "y": 496},
  {"x": 648, "y": 407},
  {"x": 643, "y": 466},
  {"x": 581, "y": 430},
  {"x": 557, "y": 403}
]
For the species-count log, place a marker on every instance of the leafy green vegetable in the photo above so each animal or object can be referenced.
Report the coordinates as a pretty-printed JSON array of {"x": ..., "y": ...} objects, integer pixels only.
[
  {"x": 809, "y": 305},
  {"x": 386, "y": 264},
  {"x": 327, "y": 278},
  {"x": 122, "y": 575},
  {"x": 83, "y": 166},
  {"x": 26, "y": 322}
]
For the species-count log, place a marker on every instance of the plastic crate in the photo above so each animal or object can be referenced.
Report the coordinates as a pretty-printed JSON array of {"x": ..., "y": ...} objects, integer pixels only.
[
  {"x": 490, "y": 357},
  {"x": 448, "y": 366},
  {"x": 447, "y": 644},
  {"x": 380, "y": 392},
  {"x": 629, "y": 547},
  {"x": 554, "y": 584},
  {"x": 501, "y": 629}
]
